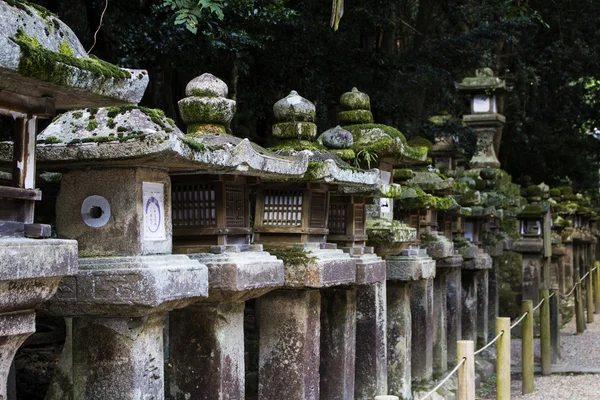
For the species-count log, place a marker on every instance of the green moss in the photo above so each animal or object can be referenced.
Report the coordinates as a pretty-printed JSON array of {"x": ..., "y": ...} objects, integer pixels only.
[
  {"x": 65, "y": 49},
  {"x": 111, "y": 123},
  {"x": 294, "y": 256},
  {"x": 420, "y": 142},
  {"x": 554, "y": 193},
  {"x": 155, "y": 115},
  {"x": 344, "y": 154},
  {"x": 49, "y": 140},
  {"x": 295, "y": 130},
  {"x": 26, "y": 6},
  {"x": 403, "y": 174},
  {"x": 197, "y": 146},
  {"x": 40, "y": 63},
  {"x": 531, "y": 211},
  {"x": 77, "y": 114},
  {"x": 355, "y": 117},
  {"x": 534, "y": 191},
  {"x": 566, "y": 190},
  {"x": 358, "y": 130},
  {"x": 297, "y": 145},
  {"x": 93, "y": 124}
]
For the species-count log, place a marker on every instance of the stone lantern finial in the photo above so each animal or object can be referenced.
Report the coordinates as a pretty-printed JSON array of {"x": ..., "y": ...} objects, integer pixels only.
[
  {"x": 356, "y": 108},
  {"x": 295, "y": 118},
  {"x": 206, "y": 109}
]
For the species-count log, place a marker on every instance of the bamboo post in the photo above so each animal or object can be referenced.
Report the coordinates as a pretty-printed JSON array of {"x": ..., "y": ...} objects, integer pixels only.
[
  {"x": 590, "y": 297},
  {"x": 554, "y": 326},
  {"x": 579, "y": 311},
  {"x": 527, "y": 346},
  {"x": 597, "y": 288},
  {"x": 545, "y": 345},
  {"x": 503, "y": 359},
  {"x": 466, "y": 373}
]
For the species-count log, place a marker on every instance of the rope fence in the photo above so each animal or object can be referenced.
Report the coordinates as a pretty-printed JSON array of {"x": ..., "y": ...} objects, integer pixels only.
[{"x": 549, "y": 343}]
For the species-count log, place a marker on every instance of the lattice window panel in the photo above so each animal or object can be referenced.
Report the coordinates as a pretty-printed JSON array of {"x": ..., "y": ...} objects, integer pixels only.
[
  {"x": 235, "y": 203},
  {"x": 283, "y": 208},
  {"x": 413, "y": 220},
  {"x": 337, "y": 218},
  {"x": 359, "y": 219},
  {"x": 194, "y": 205},
  {"x": 448, "y": 229},
  {"x": 318, "y": 210}
]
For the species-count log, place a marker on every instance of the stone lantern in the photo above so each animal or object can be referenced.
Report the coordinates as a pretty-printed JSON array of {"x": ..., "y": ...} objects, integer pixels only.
[
  {"x": 535, "y": 243},
  {"x": 115, "y": 199},
  {"x": 292, "y": 222},
  {"x": 483, "y": 91},
  {"x": 211, "y": 223},
  {"x": 32, "y": 264}
]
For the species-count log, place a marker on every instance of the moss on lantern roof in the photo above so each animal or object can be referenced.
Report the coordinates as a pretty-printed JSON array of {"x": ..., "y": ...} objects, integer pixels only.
[
  {"x": 403, "y": 174},
  {"x": 294, "y": 256},
  {"x": 420, "y": 142},
  {"x": 555, "y": 193},
  {"x": 531, "y": 211},
  {"x": 424, "y": 200},
  {"x": 40, "y": 63}
]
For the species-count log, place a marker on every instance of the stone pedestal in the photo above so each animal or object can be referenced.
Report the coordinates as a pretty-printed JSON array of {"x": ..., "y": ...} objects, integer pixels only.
[
  {"x": 30, "y": 272},
  {"x": 371, "y": 341},
  {"x": 206, "y": 352},
  {"x": 475, "y": 298},
  {"x": 118, "y": 306},
  {"x": 118, "y": 358},
  {"x": 531, "y": 249},
  {"x": 441, "y": 250},
  {"x": 206, "y": 340},
  {"x": 371, "y": 353},
  {"x": 289, "y": 324},
  {"x": 447, "y": 305},
  {"x": 338, "y": 338},
  {"x": 495, "y": 251},
  {"x": 421, "y": 310},
  {"x": 414, "y": 267},
  {"x": 289, "y": 344}
]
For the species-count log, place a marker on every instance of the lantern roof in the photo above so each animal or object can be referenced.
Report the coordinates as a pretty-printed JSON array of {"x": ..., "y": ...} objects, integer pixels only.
[
  {"x": 483, "y": 81},
  {"x": 42, "y": 58}
]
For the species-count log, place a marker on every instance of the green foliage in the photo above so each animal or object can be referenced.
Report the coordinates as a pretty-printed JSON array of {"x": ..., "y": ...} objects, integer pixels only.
[
  {"x": 65, "y": 49},
  {"x": 365, "y": 156},
  {"x": 191, "y": 12}
]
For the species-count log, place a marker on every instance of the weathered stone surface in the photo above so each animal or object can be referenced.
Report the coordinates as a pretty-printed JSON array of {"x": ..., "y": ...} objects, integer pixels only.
[
  {"x": 467, "y": 252},
  {"x": 481, "y": 261},
  {"x": 355, "y": 100},
  {"x": 154, "y": 143},
  {"x": 122, "y": 213},
  {"x": 482, "y": 308},
  {"x": 76, "y": 81},
  {"x": 454, "y": 313},
  {"x": 206, "y": 352},
  {"x": 329, "y": 171},
  {"x": 421, "y": 308},
  {"x": 294, "y": 107},
  {"x": 118, "y": 358},
  {"x": 289, "y": 345},
  {"x": 440, "y": 316},
  {"x": 239, "y": 276},
  {"x": 371, "y": 341},
  {"x": 337, "y": 138},
  {"x": 528, "y": 245},
  {"x": 322, "y": 268},
  {"x": 469, "y": 305},
  {"x": 206, "y": 110},
  {"x": 494, "y": 285},
  {"x": 437, "y": 246},
  {"x": 130, "y": 286},
  {"x": 389, "y": 237},
  {"x": 15, "y": 327},
  {"x": 430, "y": 181},
  {"x": 206, "y": 85},
  {"x": 410, "y": 268},
  {"x": 295, "y": 130},
  {"x": 338, "y": 343},
  {"x": 399, "y": 337},
  {"x": 370, "y": 268}
]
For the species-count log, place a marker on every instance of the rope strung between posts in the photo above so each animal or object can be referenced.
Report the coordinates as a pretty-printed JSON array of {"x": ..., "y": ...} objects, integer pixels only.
[
  {"x": 435, "y": 389},
  {"x": 518, "y": 321},
  {"x": 538, "y": 306},
  {"x": 489, "y": 344},
  {"x": 564, "y": 296}
]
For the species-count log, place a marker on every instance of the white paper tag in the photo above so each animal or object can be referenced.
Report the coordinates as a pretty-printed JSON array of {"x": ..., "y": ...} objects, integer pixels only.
[{"x": 154, "y": 211}]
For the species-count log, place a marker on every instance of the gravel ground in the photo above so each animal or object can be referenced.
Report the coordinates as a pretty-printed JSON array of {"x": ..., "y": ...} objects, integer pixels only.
[{"x": 578, "y": 351}]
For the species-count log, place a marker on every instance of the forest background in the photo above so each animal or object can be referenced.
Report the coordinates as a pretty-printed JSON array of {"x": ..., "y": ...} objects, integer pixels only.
[{"x": 406, "y": 54}]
